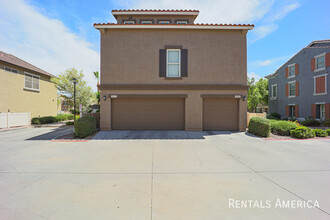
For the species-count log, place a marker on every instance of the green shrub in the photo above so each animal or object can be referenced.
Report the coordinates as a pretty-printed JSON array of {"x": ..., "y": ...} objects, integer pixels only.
[
  {"x": 259, "y": 126},
  {"x": 85, "y": 126},
  {"x": 326, "y": 123},
  {"x": 274, "y": 115},
  {"x": 302, "y": 132},
  {"x": 282, "y": 128},
  {"x": 77, "y": 111},
  {"x": 311, "y": 122},
  {"x": 320, "y": 133},
  {"x": 35, "y": 121},
  {"x": 69, "y": 123},
  {"x": 328, "y": 131}
]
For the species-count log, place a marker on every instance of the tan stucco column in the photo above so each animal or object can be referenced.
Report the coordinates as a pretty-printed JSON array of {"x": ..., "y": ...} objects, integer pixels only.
[
  {"x": 194, "y": 112},
  {"x": 242, "y": 114},
  {"x": 105, "y": 112}
]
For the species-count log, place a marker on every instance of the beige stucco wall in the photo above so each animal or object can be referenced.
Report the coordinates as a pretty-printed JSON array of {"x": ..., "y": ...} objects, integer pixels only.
[
  {"x": 14, "y": 97},
  {"x": 214, "y": 56},
  {"x": 131, "y": 56},
  {"x": 193, "y": 108}
]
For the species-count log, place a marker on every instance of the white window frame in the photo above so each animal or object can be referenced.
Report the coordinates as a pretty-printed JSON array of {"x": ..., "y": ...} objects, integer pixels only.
[
  {"x": 318, "y": 56},
  {"x": 272, "y": 92},
  {"x": 294, "y": 73},
  {"x": 146, "y": 22},
  {"x": 167, "y": 63},
  {"x": 129, "y": 22},
  {"x": 10, "y": 70},
  {"x": 181, "y": 22},
  {"x": 322, "y": 118},
  {"x": 289, "y": 83},
  {"x": 33, "y": 76},
  {"x": 326, "y": 83},
  {"x": 164, "y": 22},
  {"x": 294, "y": 105}
]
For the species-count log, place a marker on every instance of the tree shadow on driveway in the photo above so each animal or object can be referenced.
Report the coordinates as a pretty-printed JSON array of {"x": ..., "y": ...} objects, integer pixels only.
[
  {"x": 54, "y": 133},
  {"x": 156, "y": 134}
]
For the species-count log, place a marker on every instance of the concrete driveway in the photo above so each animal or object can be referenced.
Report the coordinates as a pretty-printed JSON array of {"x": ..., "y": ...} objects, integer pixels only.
[{"x": 161, "y": 175}]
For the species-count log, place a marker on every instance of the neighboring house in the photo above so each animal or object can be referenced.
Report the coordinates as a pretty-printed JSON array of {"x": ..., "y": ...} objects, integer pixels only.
[
  {"x": 62, "y": 104},
  {"x": 160, "y": 70},
  {"x": 299, "y": 88},
  {"x": 25, "y": 88},
  {"x": 261, "y": 108}
]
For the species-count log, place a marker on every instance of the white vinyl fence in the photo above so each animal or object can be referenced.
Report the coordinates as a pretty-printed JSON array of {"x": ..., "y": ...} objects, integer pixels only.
[{"x": 8, "y": 120}]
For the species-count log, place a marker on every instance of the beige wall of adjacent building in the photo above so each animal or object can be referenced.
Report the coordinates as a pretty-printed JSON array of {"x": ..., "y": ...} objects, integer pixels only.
[{"x": 14, "y": 98}]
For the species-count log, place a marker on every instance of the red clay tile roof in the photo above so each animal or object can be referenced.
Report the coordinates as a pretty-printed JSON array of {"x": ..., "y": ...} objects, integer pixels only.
[
  {"x": 238, "y": 25},
  {"x": 152, "y": 10},
  {"x": 11, "y": 59}
]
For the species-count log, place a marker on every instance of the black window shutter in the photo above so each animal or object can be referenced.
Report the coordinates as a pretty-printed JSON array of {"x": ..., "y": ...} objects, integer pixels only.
[
  {"x": 184, "y": 62},
  {"x": 162, "y": 63}
]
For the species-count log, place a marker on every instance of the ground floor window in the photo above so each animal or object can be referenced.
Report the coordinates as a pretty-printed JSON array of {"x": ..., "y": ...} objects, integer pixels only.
[
  {"x": 292, "y": 111},
  {"x": 321, "y": 111}
]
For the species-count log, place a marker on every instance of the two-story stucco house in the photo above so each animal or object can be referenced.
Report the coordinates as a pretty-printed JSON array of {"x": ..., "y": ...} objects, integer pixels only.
[
  {"x": 160, "y": 70},
  {"x": 25, "y": 88},
  {"x": 299, "y": 88}
]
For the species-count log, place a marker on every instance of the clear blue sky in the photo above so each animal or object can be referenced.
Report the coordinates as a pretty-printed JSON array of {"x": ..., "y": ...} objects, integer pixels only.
[{"x": 56, "y": 35}]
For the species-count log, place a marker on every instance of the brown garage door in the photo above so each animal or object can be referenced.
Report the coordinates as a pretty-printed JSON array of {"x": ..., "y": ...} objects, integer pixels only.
[
  {"x": 147, "y": 113},
  {"x": 220, "y": 114}
]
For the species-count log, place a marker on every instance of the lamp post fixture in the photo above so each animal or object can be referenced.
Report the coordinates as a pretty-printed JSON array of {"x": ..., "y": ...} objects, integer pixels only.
[{"x": 74, "y": 80}]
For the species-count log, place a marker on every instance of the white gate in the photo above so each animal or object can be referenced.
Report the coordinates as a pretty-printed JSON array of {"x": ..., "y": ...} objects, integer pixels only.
[{"x": 8, "y": 120}]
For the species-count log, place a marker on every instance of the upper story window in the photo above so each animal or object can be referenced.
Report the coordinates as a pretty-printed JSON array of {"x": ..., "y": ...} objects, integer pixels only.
[
  {"x": 129, "y": 22},
  {"x": 11, "y": 70},
  {"x": 163, "y": 22},
  {"x": 146, "y": 22},
  {"x": 182, "y": 22},
  {"x": 292, "y": 89},
  {"x": 31, "y": 81},
  {"x": 173, "y": 57},
  {"x": 292, "y": 70},
  {"x": 320, "y": 62},
  {"x": 273, "y": 92}
]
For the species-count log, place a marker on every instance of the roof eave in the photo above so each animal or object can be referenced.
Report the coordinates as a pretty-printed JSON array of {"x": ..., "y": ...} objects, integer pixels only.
[{"x": 183, "y": 26}]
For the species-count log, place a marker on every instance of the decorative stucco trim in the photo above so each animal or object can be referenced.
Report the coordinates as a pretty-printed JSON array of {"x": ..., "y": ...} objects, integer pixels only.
[
  {"x": 173, "y": 87},
  {"x": 173, "y": 26}
]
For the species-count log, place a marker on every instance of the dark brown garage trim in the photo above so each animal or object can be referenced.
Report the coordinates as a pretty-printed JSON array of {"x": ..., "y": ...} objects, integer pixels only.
[
  {"x": 149, "y": 96},
  {"x": 173, "y": 87}
]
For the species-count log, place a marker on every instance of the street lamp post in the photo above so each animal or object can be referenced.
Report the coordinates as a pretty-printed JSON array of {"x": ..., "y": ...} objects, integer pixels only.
[{"x": 74, "y": 80}]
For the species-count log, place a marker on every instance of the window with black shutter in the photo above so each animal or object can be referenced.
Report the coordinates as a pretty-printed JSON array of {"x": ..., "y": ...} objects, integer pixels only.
[{"x": 173, "y": 62}]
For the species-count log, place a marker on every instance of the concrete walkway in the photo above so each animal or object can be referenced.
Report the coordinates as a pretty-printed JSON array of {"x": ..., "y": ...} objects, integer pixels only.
[{"x": 160, "y": 175}]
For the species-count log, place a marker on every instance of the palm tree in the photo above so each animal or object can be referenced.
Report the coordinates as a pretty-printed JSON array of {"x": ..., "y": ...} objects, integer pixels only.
[{"x": 97, "y": 76}]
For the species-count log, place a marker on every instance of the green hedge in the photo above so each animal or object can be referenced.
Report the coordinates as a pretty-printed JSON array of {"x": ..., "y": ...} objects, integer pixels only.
[
  {"x": 311, "y": 122},
  {"x": 274, "y": 115},
  {"x": 85, "y": 126},
  {"x": 320, "y": 133},
  {"x": 259, "y": 126},
  {"x": 282, "y": 128},
  {"x": 328, "y": 131},
  {"x": 302, "y": 132},
  {"x": 69, "y": 123},
  {"x": 51, "y": 119}
]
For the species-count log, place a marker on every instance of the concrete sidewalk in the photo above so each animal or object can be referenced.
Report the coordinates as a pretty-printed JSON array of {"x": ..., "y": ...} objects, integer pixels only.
[{"x": 152, "y": 175}]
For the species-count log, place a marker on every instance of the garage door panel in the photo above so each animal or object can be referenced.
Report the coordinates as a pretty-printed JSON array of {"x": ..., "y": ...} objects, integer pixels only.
[
  {"x": 148, "y": 114},
  {"x": 220, "y": 114}
]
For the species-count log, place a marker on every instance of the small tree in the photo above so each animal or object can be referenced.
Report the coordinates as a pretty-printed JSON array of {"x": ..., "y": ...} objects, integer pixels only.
[
  {"x": 64, "y": 84},
  {"x": 254, "y": 95},
  {"x": 97, "y": 76},
  {"x": 262, "y": 85}
]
